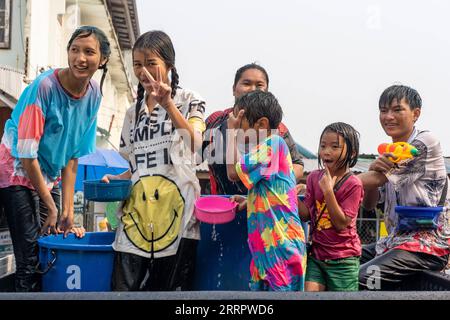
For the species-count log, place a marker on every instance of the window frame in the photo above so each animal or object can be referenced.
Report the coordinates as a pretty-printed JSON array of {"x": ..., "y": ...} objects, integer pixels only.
[{"x": 6, "y": 44}]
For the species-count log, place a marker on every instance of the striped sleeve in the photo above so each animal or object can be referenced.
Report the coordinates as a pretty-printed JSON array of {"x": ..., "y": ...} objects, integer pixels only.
[
  {"x": 29, "y": 115},
  {"x": 196, "y": 116}
]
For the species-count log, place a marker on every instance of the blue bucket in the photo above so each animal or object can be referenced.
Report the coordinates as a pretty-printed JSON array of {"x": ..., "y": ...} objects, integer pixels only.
[
  {"x": 74, "y": 264},
  {"x": 115, "y": 190},
  {"x": 417, "y": 218}
]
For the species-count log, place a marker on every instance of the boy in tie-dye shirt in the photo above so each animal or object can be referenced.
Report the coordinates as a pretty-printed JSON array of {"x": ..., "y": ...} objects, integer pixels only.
[{"x": 275, "y": 235}]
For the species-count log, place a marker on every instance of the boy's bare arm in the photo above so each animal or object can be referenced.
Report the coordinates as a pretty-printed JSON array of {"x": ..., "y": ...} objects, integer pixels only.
[
  {"x": 232, "y": 173},
  {"x": 298, "y": 171},
  {"x": 370, "y": 199},
  {"x": 303, "y": 212},
  {"x": 375, "y": 178},
  {"x": 371, "y": 181},
  {"x": 232, "y": 156}
]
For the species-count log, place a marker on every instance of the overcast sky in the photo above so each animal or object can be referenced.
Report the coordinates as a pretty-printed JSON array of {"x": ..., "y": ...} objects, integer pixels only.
[{"x": 327, "y": 60}]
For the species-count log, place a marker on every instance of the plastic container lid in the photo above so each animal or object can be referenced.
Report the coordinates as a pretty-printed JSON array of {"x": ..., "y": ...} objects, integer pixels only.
[
  {"x": 408, "y": 211},
  {"x": 92, "y": 241}
]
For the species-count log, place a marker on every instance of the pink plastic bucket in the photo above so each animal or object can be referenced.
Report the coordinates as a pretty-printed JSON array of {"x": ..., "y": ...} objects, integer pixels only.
[{"x": 215, "y": 210}]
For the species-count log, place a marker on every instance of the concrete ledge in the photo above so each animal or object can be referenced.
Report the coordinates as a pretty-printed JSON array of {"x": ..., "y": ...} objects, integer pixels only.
[{"x": 230, "y": 295}]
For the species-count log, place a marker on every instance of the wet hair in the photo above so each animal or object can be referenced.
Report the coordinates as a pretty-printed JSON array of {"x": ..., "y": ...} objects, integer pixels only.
[
  {"x": 351, "y": 139},
  {"x": 105, "y": 48},
  {"x": 159, "y": 43},
  {"x": 398, "y": 92},
  {"x": 249, "y": 66},
  {"x": 258, "y": 104}
]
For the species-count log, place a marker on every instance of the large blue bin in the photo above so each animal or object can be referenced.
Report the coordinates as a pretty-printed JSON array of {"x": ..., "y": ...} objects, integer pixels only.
[
  {"x": 223, "y": 256},
  {"x": 74, "y": 264}
]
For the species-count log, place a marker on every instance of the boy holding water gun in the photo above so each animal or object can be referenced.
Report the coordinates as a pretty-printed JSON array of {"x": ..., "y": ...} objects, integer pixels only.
[{"x": 418, "y": 180}]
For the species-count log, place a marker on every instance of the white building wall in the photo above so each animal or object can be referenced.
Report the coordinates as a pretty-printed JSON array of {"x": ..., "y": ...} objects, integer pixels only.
[
  {"x": 56, "y": 32},
  {"x": 39, "y": 38},
  {"x": 45, "y": 35},
  {"x": 14, "y": 57},
  {"x": 114, "y": 104},
  {"x": 128, "y": 57},
  {"x": 71, "y": 20}
]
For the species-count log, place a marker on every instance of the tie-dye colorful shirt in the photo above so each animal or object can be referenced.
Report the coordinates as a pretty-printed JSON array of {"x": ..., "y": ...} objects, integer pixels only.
[
  {"x": 50, "y": 125},
  {"x": 275, "y": 234}
]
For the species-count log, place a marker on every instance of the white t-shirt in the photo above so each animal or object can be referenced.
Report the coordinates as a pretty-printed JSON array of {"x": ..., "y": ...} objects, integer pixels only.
[{"x": 154, "y": 148}]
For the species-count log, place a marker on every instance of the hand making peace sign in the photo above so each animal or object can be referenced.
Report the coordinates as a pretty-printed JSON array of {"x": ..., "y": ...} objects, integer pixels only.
[{"x": 160, "y": 91}]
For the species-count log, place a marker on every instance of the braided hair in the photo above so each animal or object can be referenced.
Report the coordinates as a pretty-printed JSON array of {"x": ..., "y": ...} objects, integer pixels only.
[
  {"x": 351, "y": 139},
  {"x": 160, "y": 43},
  {"x": 105, "y": 48}
]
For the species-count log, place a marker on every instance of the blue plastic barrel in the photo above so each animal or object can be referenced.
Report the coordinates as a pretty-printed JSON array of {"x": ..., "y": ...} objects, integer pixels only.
[
  {"x": 74, "y": 264},
  {"x": 223, "y": 256}
]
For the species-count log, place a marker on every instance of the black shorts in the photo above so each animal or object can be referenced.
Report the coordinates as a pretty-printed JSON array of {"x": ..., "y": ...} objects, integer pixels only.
[
  {"x": 388, "y": 270},
  {"x": 135, "y": 273}
]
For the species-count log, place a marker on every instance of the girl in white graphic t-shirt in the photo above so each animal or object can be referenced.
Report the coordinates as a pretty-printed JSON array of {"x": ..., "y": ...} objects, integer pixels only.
[{"x": 157, "y": 238}]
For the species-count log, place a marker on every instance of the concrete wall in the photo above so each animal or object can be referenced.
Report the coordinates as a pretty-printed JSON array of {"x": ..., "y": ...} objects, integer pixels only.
[{"x": 15, "y": 56}]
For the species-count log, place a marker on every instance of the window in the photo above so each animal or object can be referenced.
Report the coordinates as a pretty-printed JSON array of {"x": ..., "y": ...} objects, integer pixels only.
[{"x": 5, "y": 24}]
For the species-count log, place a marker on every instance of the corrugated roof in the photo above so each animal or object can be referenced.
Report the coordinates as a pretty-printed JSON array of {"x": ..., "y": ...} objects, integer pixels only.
[{"x": 125, "y": 20}]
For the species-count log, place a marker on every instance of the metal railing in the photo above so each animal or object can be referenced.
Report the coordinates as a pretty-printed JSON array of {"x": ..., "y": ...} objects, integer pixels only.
[
  {"x": 11, "y": 81},
  {"x": 368, "y": 229}
]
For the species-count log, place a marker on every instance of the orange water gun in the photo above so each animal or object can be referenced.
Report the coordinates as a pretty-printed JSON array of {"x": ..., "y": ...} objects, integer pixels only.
[{"x": 401, "y": 150}]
